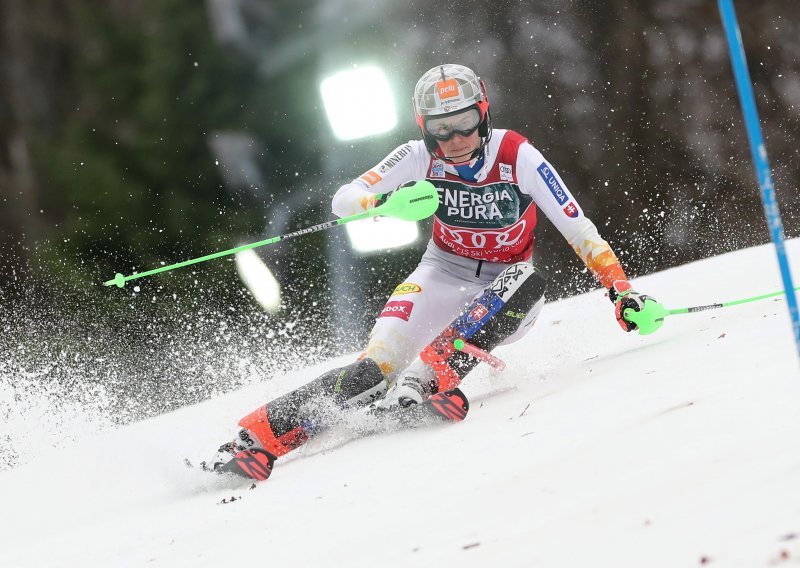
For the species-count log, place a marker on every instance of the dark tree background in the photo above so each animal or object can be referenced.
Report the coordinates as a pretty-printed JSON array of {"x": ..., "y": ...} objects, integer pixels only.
[{"x": 110, "y": 113}]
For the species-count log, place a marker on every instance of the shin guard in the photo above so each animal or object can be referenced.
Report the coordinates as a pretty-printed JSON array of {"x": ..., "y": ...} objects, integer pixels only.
[{"x": 288, "y": 421}]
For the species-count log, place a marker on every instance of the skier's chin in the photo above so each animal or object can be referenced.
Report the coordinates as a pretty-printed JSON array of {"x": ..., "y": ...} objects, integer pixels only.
[{"x": 460, "y": 156}]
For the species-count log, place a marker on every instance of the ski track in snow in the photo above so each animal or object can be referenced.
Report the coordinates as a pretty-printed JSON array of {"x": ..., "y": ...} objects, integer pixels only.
[{"x": 594, "y": 448}]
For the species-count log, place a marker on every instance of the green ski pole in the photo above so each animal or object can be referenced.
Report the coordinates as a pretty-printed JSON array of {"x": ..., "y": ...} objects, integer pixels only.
[
  {"x": 651, "y": 316},
  {"x": 412, "y": 203}
]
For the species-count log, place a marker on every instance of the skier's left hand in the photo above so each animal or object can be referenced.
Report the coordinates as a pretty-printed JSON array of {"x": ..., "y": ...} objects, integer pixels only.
[{"x": 624, "y": 296}]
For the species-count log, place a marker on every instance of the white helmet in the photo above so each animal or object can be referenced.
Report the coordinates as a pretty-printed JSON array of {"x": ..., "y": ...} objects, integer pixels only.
[{"x": 447, "y": 89}]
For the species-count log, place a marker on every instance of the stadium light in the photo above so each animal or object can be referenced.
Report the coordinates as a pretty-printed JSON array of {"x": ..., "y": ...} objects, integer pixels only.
[
  {"x": 259, "y": 280},
  {"x": 371, "y": 235},
  {"x": 359, "y": 103}
]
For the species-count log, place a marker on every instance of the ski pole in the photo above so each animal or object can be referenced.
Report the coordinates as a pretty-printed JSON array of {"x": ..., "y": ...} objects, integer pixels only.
[
  {"x": 477, "y": 353},
  {"x": 651, "y": 316},
  {"x": 412, "y": 203}
]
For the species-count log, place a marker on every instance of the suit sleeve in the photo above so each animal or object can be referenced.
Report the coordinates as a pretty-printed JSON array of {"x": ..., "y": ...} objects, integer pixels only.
[
  {"x": 540, "y": 180},
  {"x": 407, "y": 162}
]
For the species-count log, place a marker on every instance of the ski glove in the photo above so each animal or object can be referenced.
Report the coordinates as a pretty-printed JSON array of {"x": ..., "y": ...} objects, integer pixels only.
[
  {"x": 624, "y": 296},
  {"x": 381, "y": 198}
]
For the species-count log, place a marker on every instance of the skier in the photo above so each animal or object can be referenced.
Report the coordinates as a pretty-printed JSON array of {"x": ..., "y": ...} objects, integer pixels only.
[{"x": 490, "y": 183}]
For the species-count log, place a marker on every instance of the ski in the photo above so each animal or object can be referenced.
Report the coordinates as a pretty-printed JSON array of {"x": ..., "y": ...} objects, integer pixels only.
[{"x": 448, "y": 406}]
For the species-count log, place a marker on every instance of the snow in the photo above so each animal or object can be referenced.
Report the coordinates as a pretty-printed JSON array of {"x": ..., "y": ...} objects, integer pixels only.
[{"x": 594, "y": 448}]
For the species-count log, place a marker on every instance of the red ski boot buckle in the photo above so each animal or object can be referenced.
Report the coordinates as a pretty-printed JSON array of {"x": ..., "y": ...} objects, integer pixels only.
[{"x": 435, "y": 356}]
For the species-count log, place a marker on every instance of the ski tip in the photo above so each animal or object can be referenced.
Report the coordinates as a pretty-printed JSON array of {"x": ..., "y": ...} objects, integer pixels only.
[
  {"x": 451, "y": 405},
  {"x": 253, "y": 464}
]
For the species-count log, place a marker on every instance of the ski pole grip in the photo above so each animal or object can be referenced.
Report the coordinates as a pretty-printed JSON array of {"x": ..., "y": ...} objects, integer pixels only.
[
  {"x": 411, "y": 203},
  {"x": 649, "y": 319}
]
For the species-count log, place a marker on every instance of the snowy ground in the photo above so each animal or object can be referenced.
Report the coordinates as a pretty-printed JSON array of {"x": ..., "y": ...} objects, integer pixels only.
[{"x": 594, "y": 448}]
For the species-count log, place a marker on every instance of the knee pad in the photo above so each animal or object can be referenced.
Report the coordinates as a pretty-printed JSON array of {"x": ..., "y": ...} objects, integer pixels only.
[
  {"x": 520, "y": 287},
  {"x": 500, "y": 309}
]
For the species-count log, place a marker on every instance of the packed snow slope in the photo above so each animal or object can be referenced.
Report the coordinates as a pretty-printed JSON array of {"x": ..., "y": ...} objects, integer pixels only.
[{"x": 594, "y": 448}]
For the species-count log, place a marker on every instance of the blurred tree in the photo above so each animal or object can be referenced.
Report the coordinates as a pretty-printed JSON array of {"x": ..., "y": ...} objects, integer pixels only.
[
  {"x": 116, "y": 155},
  {"x": 29, "y": 71}
]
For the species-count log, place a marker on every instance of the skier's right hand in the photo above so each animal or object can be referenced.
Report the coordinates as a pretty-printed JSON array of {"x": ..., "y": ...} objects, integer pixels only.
[
  {"x": 380, "y": 199},
  {"x": 373, "y": 200}
]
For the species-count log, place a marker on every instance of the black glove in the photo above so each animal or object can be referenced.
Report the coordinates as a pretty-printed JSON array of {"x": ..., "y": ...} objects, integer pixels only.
[
  {"x": 381, "y": 198},
  {"x": 624, "y": 296}
]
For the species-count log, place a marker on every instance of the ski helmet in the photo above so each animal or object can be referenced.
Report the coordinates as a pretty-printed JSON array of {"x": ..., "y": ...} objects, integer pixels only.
[{"x": 449, "y": 89}]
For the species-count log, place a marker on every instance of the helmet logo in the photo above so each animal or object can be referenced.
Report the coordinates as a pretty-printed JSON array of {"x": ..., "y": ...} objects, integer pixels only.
[{"x": 447, "y": 89}]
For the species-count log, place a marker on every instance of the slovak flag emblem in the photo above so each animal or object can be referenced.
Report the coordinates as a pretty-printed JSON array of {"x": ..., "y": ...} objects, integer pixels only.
[
  {"x": 478, "y": 312},
  {"x": 571, "y": 210}
]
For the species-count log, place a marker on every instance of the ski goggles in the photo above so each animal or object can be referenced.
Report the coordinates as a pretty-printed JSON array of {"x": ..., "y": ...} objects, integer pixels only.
[{"x": 461, "y": 123}]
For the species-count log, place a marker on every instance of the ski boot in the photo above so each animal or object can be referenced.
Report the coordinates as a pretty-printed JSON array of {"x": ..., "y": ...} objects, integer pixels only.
[{"x": 280, "y": 426}]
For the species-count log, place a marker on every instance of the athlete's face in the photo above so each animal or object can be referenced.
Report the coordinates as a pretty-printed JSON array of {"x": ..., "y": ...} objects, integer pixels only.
[{"x": 460, "y": 148}]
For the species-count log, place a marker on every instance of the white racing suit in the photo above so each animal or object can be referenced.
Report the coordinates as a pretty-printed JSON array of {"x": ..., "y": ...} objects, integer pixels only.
[
  {"x": 480, "y": 228},
  {"x": 483, "y": 227}
]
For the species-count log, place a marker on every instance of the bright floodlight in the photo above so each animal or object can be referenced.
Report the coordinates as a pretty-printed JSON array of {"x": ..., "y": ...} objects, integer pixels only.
[
  {"x": 259, "y": 280},
  {"x": 359, "y": 103},
  {"x": 376, "y": 234}
]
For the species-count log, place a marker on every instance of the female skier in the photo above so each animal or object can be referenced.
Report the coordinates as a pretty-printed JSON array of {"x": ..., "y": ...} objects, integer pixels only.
[{"x": 475, "y": 283}]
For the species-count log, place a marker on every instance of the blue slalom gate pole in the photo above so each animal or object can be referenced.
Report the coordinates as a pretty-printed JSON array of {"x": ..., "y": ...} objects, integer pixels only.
[{"x": 745, "y": 87}]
